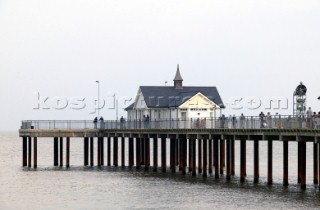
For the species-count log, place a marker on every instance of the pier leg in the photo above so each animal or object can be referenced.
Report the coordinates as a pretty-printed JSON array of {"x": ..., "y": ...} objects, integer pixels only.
[
  {"x": 190, "y": 155},
  {"x": 216, "y": 157},
  {"x": 115, "y": 151},
  {"x": 24, "y": 151},
  {"x": 319, "y": 162},
  {"x": 299, "y": 162},
  {"x": 228, "y": 169},
  {"x": 269, "y": 162},
  {"x": 35, "y": 151},
  {"x": 155, "y": 154},
  {"x": 102, "y": 150},
  {"x": 131, "y": 155},
  {"x": 172, "y": 155},
  {"x": 109, "y": 151},
  {"x": 99, "y": 152},
  {"x": 303, "y": 166},
  {"x": 86, "y": 150},
  {"x": 242, "y": 160},
  {"x": 177, "y": 151},
  {"x": 285, "y": 163},
  {"x": 142, "y": 143},
  {"x": 205, "y": 157},
  {"x": 61, "y": 151},
  {"x": 122, "y": 152},
  {"x": 138, "y": 153},
  {"x": 29, "y": 151},
  {"x": 194, "y": 155},
  {"x": 180, "y": 154},
  {"x": 315, "y": 163},
  {"x": 68, "y": 152},
  {"x": 184, "y": 155},
  {"x": 256, "y": 161},
  {"x": 147, "y": 153},
  {"x": 91, "y": 151},
  {"x": 55, "y": 151},
  {"x": 232, "y": 158},
  {"x": 199, "y": 156},
  {"x": 163, "y": 154},
  {"x": 222, "y": 155},
  {"x": 210, "y": 156}
]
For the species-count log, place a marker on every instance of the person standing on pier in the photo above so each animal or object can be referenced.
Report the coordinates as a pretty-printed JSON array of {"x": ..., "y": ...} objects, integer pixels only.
[
  {"x": 242, "y": 120},
  {"x": 261, "y": 115},
  {"x": 309, "y": 118},
  {"x": 95, "y": 122},
  {"x": 101, "y": 123}
]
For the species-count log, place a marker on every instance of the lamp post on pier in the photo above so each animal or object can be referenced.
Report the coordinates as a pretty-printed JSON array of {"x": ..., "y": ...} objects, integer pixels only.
[{"x": 98, "y": 82}]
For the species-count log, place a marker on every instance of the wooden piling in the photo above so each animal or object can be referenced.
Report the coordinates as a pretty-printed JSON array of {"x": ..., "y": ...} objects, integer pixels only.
[
  {"x": 109, "y": 151},
  {"x": 299, "y": 162},
  {"x": 115, "y": 151},
  {"x": 222, "y": 155},
  {"x": 147, "y": 153},
  {"x": 285, "y": 163},
  {"x": 242, "y": 160},
  {"x": 232, "y": 158},
  {"x": 138, "y": 153},
  {"x": 205, "y": 157},
  {"x": 177, "y": 152},
  {"x": 210, "y": 157},
  {"x": 155, "y": 154},
  {"x": 131, "y": 152},
  {"x": 163, "y": 154},
  {"x": 228, "y": 157},
  {"x": 216, "y": 157},
  {"x": 303, "y": 165},
  {"x": 61, "y": 151},
  {"x": 35, "y": 151},
  {"x": 91, "y": 151},
  {"x": 269, "y": 162},
  {"x": 256, "y": 161},
  {"x": 29, "y": 151},
  {"x": 189, "y": 155},
  {"x": 315, "y": 163},
  {"x": 142, "y": 146},
  {"x": 184, "y": 156},
  {"x": 123, "y": 145},
  {"x": 86, "y": 150},
  {"x": 68, "y": 152},
  {"x": 180, "y": 154},
  {"x": 24, "y": 151},
  {"x": 199, "y": 156},
  {"x": 98, "y": 152},
  {"x": 55, "y": 151},
  {"x": 102, "y": 150},
  {"x": 194, "y": 155}
]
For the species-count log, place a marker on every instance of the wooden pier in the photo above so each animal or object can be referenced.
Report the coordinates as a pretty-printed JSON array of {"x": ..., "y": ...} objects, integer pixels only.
[{"x": 216, "y": 149}]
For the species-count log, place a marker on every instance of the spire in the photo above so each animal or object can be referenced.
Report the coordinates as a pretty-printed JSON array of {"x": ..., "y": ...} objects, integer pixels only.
[{"x": 178, "y": 79}]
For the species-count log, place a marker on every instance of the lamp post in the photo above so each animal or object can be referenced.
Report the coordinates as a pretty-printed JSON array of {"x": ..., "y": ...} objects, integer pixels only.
[{"x": 98, "y": 98}]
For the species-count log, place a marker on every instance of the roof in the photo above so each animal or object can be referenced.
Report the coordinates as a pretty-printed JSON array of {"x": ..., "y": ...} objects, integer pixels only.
[
  {"x": 130, "y": 107},
  {"x": 168, "y": 96}
]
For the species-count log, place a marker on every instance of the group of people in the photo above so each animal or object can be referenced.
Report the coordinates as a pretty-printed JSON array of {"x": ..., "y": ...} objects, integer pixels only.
[
  {"x": 231, "y": 121},
  {"x": 95, "y": 123},
  {"x": 313, "y": 119}
]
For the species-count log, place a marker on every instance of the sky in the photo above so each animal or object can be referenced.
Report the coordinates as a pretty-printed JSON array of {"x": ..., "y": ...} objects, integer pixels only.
[{"x": 59, "y": 49}]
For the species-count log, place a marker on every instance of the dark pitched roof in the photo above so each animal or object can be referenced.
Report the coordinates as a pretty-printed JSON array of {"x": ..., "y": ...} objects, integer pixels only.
[
  {"x": 130, "y": 107},
  {"x": 164, "y": 96}
]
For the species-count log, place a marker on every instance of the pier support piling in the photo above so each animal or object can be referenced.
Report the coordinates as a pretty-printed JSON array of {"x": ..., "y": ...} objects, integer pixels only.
[
  {"x": 256, "y": 161},
  {"x": 86, "y": 151},
  {"x": 299, "y": 162},
  {"x": 172, "y": 155},
  {"x": 303, "y": 165},
  {"x": 315, "y": 163},
  {"x": 55, "y": 151},
  {"x": 98, "y": 152},
  {"x": 222, "y": 155},
  {"x": 131, "y": 152},
  {"x": 194, "y": 155},
  {"x": 228, "y": 153},
  {"x": 216, "y": 157},
  {"x": 115, "y": 151},
  {"x": 138, "y": 153},
  {"x": 61, "y": 151},
  {"x": 109, "y": 151},
  {"x": 210, "y": 156},
  {"x": 147, "y": 153},
  {"x": 35, "y": 151},
  {"x": 184, "y": 156},
  {"x": 232, "y": 158},
  {"x": 91, "y": 151},
  {"x": 123, "y": 145},
  {"x": 189, "y": 155},
  {"x": 285, "y": 163},
  {"x": 29, "y": 151},
  {"x": 269, "y": 162},
  {"x": 24, "y": 151},
  {"x": 199, "y": 156},
  {"x": 242, "y": 160},
  {"x": 155, "y": 154},
  {"x": 68, "y": 152}
]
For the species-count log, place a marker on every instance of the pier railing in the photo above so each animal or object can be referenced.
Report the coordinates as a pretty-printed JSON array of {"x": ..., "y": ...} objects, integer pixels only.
[{"x": 251, "y": 122}]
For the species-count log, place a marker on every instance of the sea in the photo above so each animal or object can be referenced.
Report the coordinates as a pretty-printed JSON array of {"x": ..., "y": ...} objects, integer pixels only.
[{"x": 79, "y": 187}]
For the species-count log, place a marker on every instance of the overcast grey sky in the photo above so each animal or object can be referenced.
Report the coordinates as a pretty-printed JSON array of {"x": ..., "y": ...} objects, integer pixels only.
[{"x": 245, "y": 48}]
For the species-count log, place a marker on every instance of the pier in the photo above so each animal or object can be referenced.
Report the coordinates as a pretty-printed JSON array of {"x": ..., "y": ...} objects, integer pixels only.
[{"x": 214, "y": 155}]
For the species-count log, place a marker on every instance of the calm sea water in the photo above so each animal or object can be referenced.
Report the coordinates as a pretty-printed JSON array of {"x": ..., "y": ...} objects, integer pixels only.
[{"x": 81, "y": 187}]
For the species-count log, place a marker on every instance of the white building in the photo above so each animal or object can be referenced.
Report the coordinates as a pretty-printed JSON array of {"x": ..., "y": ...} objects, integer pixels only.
[{"x": 175, "y": 102}]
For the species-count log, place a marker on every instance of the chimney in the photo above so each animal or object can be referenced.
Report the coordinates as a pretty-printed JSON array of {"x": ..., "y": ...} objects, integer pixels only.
[{"x": 178, "y": 79}]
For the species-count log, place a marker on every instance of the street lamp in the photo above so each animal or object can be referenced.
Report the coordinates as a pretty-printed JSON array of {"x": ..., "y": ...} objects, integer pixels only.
[{"x": 98, "y": 98}]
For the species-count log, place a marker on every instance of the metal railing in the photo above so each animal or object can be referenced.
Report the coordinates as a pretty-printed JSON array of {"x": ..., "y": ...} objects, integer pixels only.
[{"x": 251, "y": 122}]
